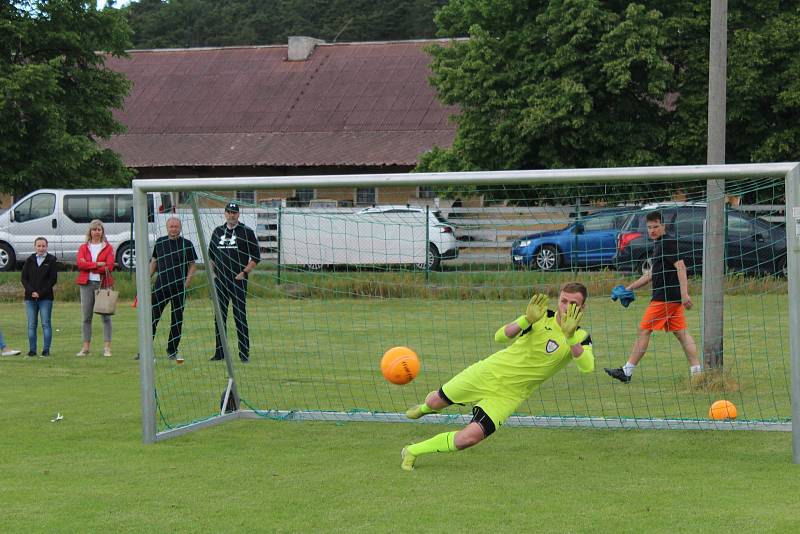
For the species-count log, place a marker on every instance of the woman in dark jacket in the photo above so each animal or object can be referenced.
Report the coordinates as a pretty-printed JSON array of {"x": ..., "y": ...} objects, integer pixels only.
[{"x": 39, "y": 275}]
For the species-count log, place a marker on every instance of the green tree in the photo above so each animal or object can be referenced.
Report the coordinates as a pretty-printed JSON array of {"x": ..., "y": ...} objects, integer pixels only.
[
  {"x": 192, "y": 23},
  {"x": 584, "y": 83},
  {"x": 56, "y": 96}
]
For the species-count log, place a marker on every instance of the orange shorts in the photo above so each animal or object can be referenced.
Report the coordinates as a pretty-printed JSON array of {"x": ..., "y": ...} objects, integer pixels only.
[{"x": 666, "y": 316}]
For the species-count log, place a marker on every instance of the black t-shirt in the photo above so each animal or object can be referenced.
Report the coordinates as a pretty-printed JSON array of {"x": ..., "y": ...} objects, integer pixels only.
[
  {"x": 172, "y": 261},
  {"x": 232, "y": 250},
  {"x": 666, "y": 287}
]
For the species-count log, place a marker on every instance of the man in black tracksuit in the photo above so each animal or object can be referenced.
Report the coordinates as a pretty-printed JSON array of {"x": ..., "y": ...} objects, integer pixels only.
[
  {"x": 174, "y": 261},
  {"x": 234, "y": 252}
]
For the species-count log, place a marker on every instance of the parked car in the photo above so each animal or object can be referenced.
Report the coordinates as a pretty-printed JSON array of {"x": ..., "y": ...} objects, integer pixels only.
[
  {"x": 590, "y": 241},
  {"x": 62, "y": 217},
  {"x": 441, "y": 236},
  {"x": 753, "y": 245}
]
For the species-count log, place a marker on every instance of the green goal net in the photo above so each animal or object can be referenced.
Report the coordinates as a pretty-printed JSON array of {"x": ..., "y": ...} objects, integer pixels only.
[{"x": 438, "y": 263}]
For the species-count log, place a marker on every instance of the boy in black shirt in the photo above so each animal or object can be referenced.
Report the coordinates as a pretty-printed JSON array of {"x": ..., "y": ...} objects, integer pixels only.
[
  {"x": 234, "y": 252},
  {"x": 670, "y": 297},
  {"x": 174, "y": 260}
]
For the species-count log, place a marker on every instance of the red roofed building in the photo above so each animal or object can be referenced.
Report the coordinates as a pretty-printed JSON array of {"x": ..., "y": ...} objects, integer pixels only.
[{"x": 251, "y": 111}]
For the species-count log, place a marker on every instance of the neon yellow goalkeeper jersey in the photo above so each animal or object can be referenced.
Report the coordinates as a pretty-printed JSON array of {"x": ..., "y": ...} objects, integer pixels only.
[{"x": 535, "y": 355}]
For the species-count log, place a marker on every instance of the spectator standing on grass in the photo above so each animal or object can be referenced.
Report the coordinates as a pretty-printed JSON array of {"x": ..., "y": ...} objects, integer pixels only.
[
  {"x": 173, "y": 262},
  {"x": 39, "y": 276},
  {"x": 4, "y": 348},
  {"x": 95, "y": 263},
  {"x": 234, "y": 252}
]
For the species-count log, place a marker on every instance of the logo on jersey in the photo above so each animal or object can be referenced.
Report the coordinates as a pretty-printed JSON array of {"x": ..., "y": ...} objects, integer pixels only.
[
  {"x": 227, "y": 242},
  {"x": 551, "y": 346}
]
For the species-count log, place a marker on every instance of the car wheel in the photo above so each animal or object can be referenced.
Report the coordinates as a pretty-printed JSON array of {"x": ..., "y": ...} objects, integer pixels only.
[
  {"x": 547, "y": 258},
  {"x": 126, "y": 257},
  {"x": 7, "y": 258},
  {"x": 432, "y": 261}
]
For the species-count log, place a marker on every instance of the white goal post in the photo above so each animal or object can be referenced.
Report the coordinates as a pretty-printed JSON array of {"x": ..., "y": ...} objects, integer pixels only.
[{"x": 789, "y": 171}]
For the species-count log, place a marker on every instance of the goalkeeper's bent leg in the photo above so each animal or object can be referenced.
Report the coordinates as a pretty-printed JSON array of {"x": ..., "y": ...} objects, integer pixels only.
[{"x": 417, "y": 411}]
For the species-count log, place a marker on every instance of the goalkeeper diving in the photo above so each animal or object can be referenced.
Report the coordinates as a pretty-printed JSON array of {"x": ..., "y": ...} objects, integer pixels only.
[{"x": 542, "y": 342}]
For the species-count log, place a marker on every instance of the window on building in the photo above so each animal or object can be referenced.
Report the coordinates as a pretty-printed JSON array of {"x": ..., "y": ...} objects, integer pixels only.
[
  {"x": 247, "y": 197},
  {"x": 366, "y": 196},
  {"x": 426, "y": 192},
  {"x": 304, "y": 196}
]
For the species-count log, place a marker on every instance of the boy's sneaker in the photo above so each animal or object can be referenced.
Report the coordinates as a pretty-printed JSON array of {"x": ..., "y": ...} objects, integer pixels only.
[
  {"x": 10, "y": 352},
  {"x": 408, "y": 460},
  {"x": 618, "y": 373},
  {"x": 31, "y": 353},
  {"x": 45, "y": 353},
  {"x": 415, "y": 412}
]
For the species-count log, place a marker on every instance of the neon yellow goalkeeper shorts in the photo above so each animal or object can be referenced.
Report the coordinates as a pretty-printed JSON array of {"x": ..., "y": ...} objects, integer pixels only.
[{"x": 474, "y": 386}]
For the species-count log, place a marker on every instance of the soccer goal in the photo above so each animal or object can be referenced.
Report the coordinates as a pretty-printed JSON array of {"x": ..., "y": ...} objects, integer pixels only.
[{"x": 437, "y": 262}]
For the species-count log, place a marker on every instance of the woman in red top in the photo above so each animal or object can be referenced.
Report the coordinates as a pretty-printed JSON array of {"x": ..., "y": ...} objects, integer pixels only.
[{"x": 95, "y": 263}]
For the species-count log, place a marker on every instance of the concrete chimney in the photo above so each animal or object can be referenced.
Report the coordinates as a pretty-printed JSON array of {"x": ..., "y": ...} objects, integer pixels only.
[{"x": 300, "y": 48}]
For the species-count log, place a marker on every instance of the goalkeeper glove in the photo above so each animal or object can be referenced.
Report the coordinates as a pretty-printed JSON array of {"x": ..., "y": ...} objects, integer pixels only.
[
  {"x": 569, "y": 323},
  {"x": 536, "y": 309}
]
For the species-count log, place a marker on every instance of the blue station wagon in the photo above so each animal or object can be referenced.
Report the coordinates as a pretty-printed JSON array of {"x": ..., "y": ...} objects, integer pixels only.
[{"x": 590, "y": 241}]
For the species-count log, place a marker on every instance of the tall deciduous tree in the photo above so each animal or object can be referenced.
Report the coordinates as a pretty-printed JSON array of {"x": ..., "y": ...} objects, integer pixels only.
[
  {"x": 585, "y": 83},
  {"x": 56, "y": 96}
]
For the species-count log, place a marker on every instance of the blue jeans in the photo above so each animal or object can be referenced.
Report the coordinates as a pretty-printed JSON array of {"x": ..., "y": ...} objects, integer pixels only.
[{"x": 35, "y": 309}]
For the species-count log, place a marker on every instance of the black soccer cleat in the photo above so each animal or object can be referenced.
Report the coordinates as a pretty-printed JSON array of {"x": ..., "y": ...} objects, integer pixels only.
[
  {"x": 617, "y": 373},
  {"x": 217, "y": 358}
]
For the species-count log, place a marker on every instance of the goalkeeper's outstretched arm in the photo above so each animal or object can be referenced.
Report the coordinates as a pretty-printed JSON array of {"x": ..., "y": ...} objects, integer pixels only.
[{"x": 536, "y": 309}]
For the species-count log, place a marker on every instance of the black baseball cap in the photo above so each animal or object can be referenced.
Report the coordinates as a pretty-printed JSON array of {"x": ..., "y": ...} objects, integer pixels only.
[{"x": 232, "y": 207}]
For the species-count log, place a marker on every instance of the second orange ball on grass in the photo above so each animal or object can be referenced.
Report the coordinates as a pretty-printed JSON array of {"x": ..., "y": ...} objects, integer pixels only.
[{"x": 400, "y": 365}]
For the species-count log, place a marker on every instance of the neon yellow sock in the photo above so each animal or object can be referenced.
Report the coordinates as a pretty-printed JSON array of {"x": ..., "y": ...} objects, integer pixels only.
[
  {"x": 424, "y": 408},
  {"x": 443, "y": 442}
]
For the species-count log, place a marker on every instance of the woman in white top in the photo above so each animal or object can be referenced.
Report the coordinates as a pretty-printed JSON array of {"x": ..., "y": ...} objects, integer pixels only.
[{"x": 95, "y": 263}]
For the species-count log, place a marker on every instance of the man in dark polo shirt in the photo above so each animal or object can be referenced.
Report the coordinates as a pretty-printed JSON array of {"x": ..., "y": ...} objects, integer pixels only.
[
  {"x": 234, "y": 252},
  {"x": 174, "y": 262}
]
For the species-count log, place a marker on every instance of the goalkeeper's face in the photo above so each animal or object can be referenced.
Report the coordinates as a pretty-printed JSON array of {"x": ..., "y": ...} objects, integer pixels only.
[{"x": 565, "y": 299}]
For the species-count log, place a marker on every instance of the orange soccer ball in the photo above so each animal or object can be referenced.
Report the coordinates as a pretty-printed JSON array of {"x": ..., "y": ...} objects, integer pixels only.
[
  {"x": 400, "y": 365},
  {"x": 722, "y": 409}
]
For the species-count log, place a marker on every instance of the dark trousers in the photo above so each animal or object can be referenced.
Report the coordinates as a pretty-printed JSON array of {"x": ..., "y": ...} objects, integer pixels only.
[
  {"x": 177, "y": 297},
  {"x": 230, "y": 290}
]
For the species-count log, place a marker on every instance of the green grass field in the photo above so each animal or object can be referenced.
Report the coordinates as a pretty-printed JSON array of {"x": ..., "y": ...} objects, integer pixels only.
[{"x": 90, "y": 472}]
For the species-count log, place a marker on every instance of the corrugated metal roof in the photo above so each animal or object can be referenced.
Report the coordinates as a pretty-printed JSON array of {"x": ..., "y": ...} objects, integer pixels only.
[{"x": 348, "y": 104}]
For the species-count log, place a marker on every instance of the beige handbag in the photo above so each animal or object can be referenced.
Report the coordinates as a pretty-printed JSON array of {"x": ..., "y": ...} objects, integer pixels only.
[{"x": 105, "y": 301}]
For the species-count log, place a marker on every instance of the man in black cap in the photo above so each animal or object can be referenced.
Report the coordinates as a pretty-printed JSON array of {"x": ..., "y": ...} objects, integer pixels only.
[{"x": 234, "y": 252}]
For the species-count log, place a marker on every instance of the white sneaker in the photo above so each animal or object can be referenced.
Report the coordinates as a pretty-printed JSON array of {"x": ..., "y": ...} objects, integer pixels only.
[
  {"x": 107, "y": 353},
  {"x": 11, "y": 352},
  {"x": 82, "y": 353}
]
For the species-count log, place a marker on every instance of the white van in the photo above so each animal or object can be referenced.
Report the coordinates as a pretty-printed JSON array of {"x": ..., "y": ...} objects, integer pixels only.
[
  {"x": 377, "y": 235},
  {"x": 63, "y": 215}
]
